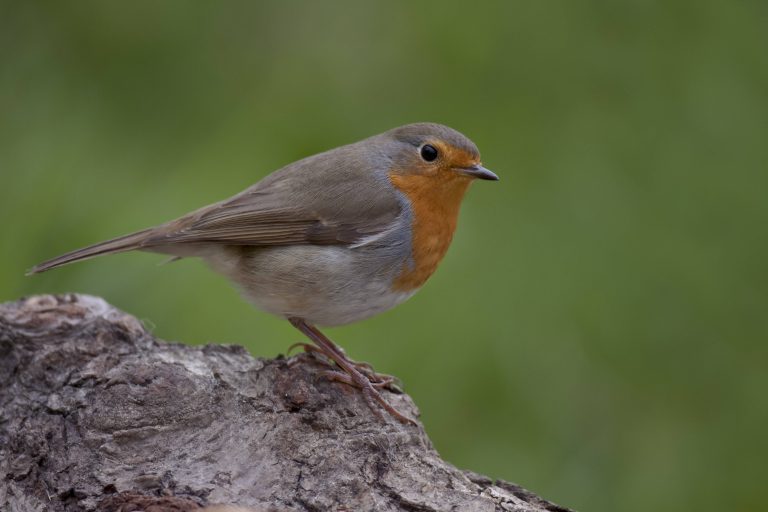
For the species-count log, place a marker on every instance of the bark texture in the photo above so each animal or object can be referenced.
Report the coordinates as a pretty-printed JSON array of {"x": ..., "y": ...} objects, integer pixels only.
[{"x": 98, "y": 415}]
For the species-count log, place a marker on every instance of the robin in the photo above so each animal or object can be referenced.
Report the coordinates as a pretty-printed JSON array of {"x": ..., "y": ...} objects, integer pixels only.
[{"x": 331, "y": 239}]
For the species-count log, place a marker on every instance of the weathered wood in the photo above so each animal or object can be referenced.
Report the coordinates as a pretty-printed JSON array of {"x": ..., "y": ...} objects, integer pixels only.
[{"x": 97, "y": 414}]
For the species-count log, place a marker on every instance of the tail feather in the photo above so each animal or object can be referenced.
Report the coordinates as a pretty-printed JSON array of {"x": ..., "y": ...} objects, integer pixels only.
[{"x": 115, "y": 245}]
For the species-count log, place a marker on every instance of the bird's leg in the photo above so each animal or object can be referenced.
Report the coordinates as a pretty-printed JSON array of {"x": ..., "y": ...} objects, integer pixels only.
[
  {"x": 379, "y": 380},
  {"x": 351, "y": 374}
]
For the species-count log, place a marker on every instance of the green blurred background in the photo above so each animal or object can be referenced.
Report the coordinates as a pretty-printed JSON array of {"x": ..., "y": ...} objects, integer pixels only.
[{"x": 598, "y": 330}]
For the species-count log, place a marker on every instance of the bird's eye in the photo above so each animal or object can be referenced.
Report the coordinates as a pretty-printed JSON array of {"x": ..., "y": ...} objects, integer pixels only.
[{"x": 428, "y": 153}]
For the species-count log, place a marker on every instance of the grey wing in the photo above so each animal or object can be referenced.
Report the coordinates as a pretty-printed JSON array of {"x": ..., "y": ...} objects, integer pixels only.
[
  {"x": 331, "y": 198},
  {"x": 320, "y": 208}
]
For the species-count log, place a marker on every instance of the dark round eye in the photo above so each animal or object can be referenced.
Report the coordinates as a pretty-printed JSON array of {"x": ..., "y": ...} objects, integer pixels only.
[{"x": 428, "y": 153}]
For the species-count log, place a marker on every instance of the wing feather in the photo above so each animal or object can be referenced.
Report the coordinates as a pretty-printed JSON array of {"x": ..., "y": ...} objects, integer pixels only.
[
  {"x": 317, "y": 200},
  {"x": 242, "y": 225}
]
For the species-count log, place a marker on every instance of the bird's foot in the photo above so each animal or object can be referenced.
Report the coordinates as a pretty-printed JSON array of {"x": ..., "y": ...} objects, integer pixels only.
[
  {"x": 377, "y": 380},
  {"x": 369, "y": 389},
  {"x": 340, "y": 376},
  {"x": 357, "y": 375}
]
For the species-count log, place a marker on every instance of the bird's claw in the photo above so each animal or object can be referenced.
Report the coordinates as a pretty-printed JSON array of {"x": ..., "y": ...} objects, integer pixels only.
[{"x": 377, "y": 380}]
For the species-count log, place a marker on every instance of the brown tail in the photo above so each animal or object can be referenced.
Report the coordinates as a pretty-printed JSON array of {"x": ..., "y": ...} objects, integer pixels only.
[{"x": 115, "y": 245}]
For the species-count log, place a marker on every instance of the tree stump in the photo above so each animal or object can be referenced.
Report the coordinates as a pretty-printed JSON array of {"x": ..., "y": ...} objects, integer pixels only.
[{"x": 98, "y": 415}]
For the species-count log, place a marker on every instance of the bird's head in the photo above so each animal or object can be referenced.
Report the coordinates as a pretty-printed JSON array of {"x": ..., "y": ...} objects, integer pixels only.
[{"x": 438, "y": 152}]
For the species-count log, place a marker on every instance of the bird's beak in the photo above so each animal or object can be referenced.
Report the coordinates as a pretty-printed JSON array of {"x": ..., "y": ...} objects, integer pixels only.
[{"x": 479, "y": 172}]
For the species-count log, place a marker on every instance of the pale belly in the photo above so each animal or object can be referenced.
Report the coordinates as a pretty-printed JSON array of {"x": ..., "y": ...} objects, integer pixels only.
[{"x": 324, "y": 285}]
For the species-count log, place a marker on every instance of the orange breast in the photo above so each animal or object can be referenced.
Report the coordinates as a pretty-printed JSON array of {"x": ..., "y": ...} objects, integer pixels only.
[{"x": 435, "y": 202}]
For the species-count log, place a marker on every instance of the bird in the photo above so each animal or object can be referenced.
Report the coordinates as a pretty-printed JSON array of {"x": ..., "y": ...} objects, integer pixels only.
[{"x": 330, "y": 239}]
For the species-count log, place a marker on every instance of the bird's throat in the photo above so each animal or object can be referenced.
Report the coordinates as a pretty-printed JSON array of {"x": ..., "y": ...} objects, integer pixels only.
[{"x": 435, "y": 202}]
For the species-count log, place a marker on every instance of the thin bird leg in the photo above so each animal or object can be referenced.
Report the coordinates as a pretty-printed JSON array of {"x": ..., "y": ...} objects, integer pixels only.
[
  {"x": 353, "y": 376},
  {"x": 379, "y": 380}
]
